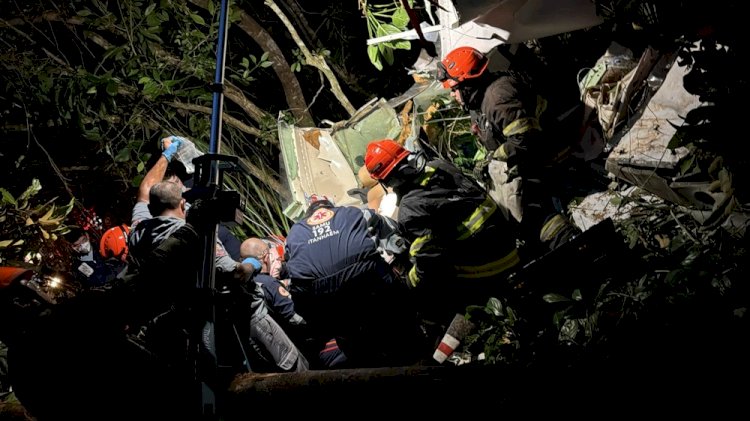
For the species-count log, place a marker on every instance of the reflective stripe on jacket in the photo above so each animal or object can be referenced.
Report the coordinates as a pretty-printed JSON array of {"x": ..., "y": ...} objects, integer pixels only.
[{"x": 454, "y": 227}]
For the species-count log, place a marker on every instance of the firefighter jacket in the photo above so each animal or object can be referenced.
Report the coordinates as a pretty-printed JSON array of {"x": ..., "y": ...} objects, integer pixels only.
[
  {"x": 455, "y": 228},
  {"x": 508, "y": 116}
]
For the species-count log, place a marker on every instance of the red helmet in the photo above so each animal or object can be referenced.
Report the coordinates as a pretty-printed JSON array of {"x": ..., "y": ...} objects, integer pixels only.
[
  {"x": 461, "y": 64},
  {"x": 382, "y": 157},
  {"x": 114, "y": 242}
]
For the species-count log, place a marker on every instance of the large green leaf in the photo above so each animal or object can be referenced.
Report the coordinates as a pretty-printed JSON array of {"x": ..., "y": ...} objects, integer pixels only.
[
  {"x": 112, "y": 88},
  {"x": 494, "y": 306},
  {"x": 400, "y": 18},
  {"x": 400, "y": 45},
  {"x": 7, "y": 197},
  {"x": 153, "y": 19},
  {"x": 197, "y": 19},
  {"x": 511, "y": 315},
  {"x": 374, "y": 54},
  {"x": 555, "y": 298},
  {"x": 387, "y": 53},
  {"x": 387, "y": 29},
  {"x": 136, "y": 181},
  {"x": 123, "y": 155},
  {"x": 32, "y": 190}
]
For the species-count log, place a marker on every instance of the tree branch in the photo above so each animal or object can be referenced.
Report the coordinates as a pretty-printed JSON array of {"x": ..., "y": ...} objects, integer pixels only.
[
  {"x": 314, "y": 59},
  {"x": 12, "y": 25},
  {"x": 350, "y": 79},
  {"x": 237, "y": 124},
  {"x": 238, "y": 97},
  {"x": 231, "y": 92},
  {"x": 289, "y": 83}
]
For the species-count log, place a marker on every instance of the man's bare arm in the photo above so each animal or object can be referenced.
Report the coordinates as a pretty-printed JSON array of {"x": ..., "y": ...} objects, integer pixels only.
[{"x": 156, "y": 173}]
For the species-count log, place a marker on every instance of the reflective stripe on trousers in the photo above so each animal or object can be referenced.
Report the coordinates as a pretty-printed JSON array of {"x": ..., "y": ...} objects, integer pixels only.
[{"x": 489, "y": 269}]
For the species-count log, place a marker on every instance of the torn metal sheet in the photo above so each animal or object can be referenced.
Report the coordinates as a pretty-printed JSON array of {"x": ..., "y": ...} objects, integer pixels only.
[
  {"x": 485, "y": 24},
  {"x": 327, "y": 160},
  {"x": 644, "y": 141},
  {"x": 599, "y": 206},
  {"x": 641, "y": 155},
  {"x": 313, "y": 164},
  {"x": 377, "y": 121}
]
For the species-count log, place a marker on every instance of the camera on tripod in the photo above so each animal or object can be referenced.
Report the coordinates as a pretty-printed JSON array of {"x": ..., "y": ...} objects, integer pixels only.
[
  {"x": 218, "y": 205},
  {"x": 222, "y": 205}
]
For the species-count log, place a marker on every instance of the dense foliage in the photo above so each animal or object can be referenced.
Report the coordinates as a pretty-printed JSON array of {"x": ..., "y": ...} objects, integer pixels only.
[{"x": 88, "y": 87}]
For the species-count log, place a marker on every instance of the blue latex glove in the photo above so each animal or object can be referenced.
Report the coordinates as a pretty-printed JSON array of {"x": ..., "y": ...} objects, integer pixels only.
[
  {"x": 172, "y": 149},
  {"x": 252, "y": 261}
]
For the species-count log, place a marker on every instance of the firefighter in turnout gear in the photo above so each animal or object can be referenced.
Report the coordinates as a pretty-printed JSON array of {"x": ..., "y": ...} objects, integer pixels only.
[
  {"x": 508, "y": 116},
  {"x": 462, "y": 246}
]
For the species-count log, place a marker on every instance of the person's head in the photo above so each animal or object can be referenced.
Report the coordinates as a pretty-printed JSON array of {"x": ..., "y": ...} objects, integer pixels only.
[
  {"x": 257, "y": 249},
  {"x": 459, "y": 67},
  {"x": 317, "y": 201},
  {"x": 80, "y": 241},
  {"x": 389, "y": 163},
  {"x": 114, "y": 243},
  {"x": 165, "y": 199}
]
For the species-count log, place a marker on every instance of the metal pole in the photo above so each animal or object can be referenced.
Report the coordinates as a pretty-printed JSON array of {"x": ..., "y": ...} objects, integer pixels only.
[
  {"x": 218, "y": 96},
  {"x": 207, "y": 367}
]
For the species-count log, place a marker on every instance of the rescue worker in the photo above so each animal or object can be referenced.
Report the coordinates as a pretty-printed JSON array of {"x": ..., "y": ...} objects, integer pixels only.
[
  {"x": 344, "y": 288},
  {"x": 462, "y": 247},
  {"x": 264, "y": 256},
  {"x": 270, "y": 253},
  {"x": 113, "y": 247},
  {"x": 114, "y": 243},
  {"x": 91, "y": 268},
  {"x": 160, "y": 210},
  {"x": 165, "y": 200},
  {"x": 164, "y": 171},
  {"x": 508, "y": 116},
  {"x": 257, "y": 252}
]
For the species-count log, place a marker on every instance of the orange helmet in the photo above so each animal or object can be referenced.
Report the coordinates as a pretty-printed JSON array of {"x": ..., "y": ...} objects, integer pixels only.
[
  {"x": 9, "y": 274},
  {"x": 382, "y": 157},
  {"x": 461, "y": 64},
  {"x": 114, "y": 242}
]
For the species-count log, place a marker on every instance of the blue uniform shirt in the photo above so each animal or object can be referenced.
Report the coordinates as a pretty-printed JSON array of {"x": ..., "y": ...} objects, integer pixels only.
[
  {"x": 277, "y": 296},
  {"x": 330, "y": 240}
]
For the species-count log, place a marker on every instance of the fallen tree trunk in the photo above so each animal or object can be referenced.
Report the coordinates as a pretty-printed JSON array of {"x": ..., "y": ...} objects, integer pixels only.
[
  {"x": 312, "y": 391},
  {"x": 464, "y": 392}
]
